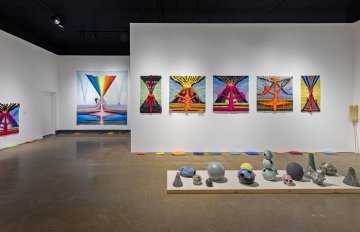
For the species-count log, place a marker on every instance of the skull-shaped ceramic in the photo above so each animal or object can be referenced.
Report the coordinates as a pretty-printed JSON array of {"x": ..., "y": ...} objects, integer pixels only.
[{"x": 287, "y": 179}]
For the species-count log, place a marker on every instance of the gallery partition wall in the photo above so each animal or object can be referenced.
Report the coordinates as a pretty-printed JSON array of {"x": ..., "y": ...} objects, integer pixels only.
[{"x": 253, "y": 50}]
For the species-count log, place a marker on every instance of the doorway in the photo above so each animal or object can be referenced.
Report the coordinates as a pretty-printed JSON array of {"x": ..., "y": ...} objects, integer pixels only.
[{"x": 49, "y": 113}]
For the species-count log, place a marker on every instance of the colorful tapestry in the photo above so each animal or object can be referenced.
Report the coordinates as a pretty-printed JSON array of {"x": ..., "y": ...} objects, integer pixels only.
[
  {"x": 9, "y": 119},
  {"x": 150, "y": 94},
  {"x": 102, "y": 98},
  {"x": 187, "y": 94},
  {"x": 274, "y": 93},
  {"x": 310, "y": 94},
  {"x": 231, "y": 93}
]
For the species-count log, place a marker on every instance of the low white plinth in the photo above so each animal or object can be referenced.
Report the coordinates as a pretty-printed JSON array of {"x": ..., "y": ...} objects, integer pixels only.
[{"x": 332, "y": 184}]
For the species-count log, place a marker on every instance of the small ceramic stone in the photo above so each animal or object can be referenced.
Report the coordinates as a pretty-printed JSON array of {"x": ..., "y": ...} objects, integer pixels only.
[
  {"x": 197, "y": 180},
  {"x": 177, "y": 182},
  {"x": 350, "y": 178},
  {"x": 330, "y": 169},
  {"x": 209, "y": 183}
]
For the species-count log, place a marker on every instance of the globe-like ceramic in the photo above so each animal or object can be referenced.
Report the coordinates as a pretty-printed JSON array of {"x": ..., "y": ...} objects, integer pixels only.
[{"x": 216, "y": 171}]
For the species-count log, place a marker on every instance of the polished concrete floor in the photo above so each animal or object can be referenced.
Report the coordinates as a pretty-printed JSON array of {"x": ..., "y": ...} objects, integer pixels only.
[{"x": 77, "y": 183}]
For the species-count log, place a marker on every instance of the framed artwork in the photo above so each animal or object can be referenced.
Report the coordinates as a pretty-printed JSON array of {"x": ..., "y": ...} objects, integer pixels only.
[
  {"x": 102, "y": 97},
  {"x": 187, "y": 94},
  {"x": 9, "y": 118},
  {"x": 231, "y": 93},
  {"x": 274, "y": 93},
  {"x": 150, "y": 94},
  {"x": 310, "y": 94}
]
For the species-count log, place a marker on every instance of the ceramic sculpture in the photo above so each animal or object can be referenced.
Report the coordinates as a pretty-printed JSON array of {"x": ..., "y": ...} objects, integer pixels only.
[
  {"x": 197, "y": 180},
  {"x": 269, "y": 172},
  {"x": 268, "y": 155},
  {"x": 209, "y": 183},
  {"x": 295, "y": 171},
  {"x": 187, "y": 171},
  {"x": 216, "y": 171},
  {"x": 177, "y": 182},
  {"x": 330, "y": 169},
  {"x": 311, "y": 163},
  {"x": 317, "y": 177},
  {"x": 287, "y": 180},
  {"x": 350, "y": 178},
  {"x": 246, "y": 166},
  {"x": 246, "y": 177}
]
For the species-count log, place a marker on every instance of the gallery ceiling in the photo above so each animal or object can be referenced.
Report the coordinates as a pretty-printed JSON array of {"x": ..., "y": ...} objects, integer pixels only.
[{"x": 101, "y": 27}]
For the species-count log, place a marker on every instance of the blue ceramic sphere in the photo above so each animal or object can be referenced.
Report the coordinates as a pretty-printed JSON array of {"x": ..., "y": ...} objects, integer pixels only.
[
  {"x": 246, "y": 177},
  {"x": 216, "y": 171},
  {"x": 187, "y": 171}
]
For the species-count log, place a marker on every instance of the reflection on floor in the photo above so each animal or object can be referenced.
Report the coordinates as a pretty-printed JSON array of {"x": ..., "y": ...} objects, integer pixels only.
[{"x": 93, "y": 183}]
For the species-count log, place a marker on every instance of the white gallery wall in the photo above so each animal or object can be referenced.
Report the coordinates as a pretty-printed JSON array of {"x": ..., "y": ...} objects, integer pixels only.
[
  {"x": 27, "y": 71},
  {"x": 356, "y": 66},
  {"x": 67, "y": 87},
  {"x": 356, "y": 57},
  {"x": 245, "y": 49}
]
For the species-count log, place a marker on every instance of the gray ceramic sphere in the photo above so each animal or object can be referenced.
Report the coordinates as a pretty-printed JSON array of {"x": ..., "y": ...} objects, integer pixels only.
[
  {"x": 268, "y": 155},
  {"x": 216, "y": 170},
  {"x": 295, "y": 171}
]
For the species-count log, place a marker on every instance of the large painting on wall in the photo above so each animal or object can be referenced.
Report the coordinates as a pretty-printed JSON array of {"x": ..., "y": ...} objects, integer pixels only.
[
  {"x": 9, "y": 118},
  {"x": 102, "y": 98},
  {"x": 231, "y": 93},
  {"x": 150, "y": 94},
  {"x": 274, "y": 93},
  {"x": 310, "y": 94},
  {"x": 187, "y": 94}
]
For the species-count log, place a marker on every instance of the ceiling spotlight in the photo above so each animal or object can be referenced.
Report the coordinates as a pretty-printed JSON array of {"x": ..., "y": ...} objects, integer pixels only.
[{"x": 57, "y": 21}]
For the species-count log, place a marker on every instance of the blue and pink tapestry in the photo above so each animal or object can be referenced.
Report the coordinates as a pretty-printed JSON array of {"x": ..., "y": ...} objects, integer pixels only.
[{"x": 231, "y": 94}]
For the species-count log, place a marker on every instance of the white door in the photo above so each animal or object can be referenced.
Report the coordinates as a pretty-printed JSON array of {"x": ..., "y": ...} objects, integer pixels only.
[{"x": 48, "y": 113}]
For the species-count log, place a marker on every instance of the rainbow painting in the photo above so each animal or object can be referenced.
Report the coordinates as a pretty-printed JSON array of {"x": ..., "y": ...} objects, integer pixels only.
[
  {"x": 310, "y": 94},
  {"x": 231, "y": 94},
  {"x": 102, "y": 97}
]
